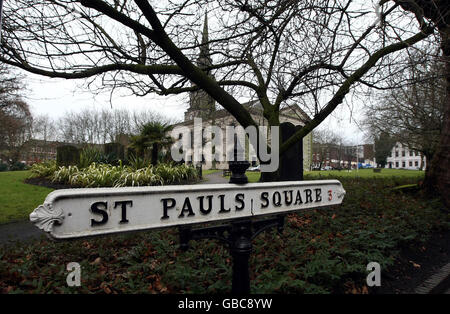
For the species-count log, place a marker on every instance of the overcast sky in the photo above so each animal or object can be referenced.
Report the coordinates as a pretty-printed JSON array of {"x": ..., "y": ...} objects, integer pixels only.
[{"x": 55, "y": 97}]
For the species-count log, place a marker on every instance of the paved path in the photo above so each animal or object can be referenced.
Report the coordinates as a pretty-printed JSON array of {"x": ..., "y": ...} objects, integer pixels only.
[
  {"x": 437, "y": 283},
  {"x": 214, "y": 178},
  {"x": 19, "y": 231},
  {"x": 26, "y": 231}
]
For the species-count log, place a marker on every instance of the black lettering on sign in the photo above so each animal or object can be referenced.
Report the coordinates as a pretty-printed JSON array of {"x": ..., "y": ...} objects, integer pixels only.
[
  {"x": 124, "y": 209},
  {"x": 96, "y": 210},
  {"x": 167, "y": 206},
  {"x": 318, "y": 195},
  {"x": 186, "y": 207},
  {"x": 298, "y": 199},
  {"x": 265, "y": 198},
  {"x": 202, "y": 208},
  {"x": 239, "y": 198},
  {"x": 287, "y": 200},
  {"x": 222, "y": 205},
  {"x": 308, "y": 196},
  {"x": 276, "y": 199}
]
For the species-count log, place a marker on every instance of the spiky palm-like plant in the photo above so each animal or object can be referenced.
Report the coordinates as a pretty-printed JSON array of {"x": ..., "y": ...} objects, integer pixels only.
[{"x": 154, "y": 135}]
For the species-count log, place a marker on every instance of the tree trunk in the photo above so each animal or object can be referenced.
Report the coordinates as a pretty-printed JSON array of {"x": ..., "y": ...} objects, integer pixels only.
[
  {"x": 291, "y": 162},
  {"x": 270, "y": 176},
  {"x": 438, "y": 172},
  {"x": 154, "y": 154},
  {"x": 429, "y": 171}
]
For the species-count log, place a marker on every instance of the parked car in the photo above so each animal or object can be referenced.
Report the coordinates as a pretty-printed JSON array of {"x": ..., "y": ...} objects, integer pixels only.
[{"x": 256, "y": 168}]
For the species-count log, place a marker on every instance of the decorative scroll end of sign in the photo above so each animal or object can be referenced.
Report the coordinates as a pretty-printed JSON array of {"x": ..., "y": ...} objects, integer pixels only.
[
  {"x": 340, "y": 193},
  {"x": 45, "y": 216}
]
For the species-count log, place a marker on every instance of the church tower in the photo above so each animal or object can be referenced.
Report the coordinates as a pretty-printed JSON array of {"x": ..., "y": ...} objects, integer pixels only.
[{"x": 201, "y": 105}]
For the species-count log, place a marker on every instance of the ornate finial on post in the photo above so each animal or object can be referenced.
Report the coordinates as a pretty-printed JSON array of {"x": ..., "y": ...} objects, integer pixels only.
[{"x": 238, "y": 167}]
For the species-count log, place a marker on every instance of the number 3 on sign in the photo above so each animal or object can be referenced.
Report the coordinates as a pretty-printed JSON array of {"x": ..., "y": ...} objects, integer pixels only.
[{"x": 330, "y": 195}]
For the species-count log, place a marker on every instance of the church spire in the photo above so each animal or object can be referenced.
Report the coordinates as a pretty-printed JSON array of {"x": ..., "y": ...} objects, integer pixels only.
[
  {"x": 200, "y": 103},
  {"x": 204, "y": 58},
  {"x": 204, "y": 49}
]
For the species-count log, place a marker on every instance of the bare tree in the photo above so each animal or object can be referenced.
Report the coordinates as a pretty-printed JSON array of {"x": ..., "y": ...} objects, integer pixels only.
[
  {"x": 90, "y": 126},
  {"x": 284, "y": 52},
  {"x": 15, "y": 129},
  {"x": 43, "y": 128},
  {"x": 413, "y": 113},
  {"x": 332, "y": 147},
  {"x": 15, "y": 116},
  {"x": 438, "y": 12},
  {"x": 322, "y": 139}
]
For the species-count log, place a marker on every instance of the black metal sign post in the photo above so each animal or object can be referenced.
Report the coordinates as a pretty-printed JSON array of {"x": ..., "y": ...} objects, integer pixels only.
[{"x": 237, "y": 236}]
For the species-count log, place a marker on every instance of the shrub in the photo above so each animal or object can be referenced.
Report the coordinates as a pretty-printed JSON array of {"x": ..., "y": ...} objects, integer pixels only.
[
  {"x": 63, "y": 174},
  {"x": 67, "y": 155},
  {"x": 173, "y": 174},
  {"x": 88, "y": 155},
  {"x": 44, "y": 169},
  {"x": 103, "y": 175},
  {"x": 3, "y": 167},
  {"x": 116, "y": 151},
  {"x": 131, "y": 153},
  {"x": 137, "y": 162},
  {"x": 96, "y": 175},
  {"x": 141, "y": 177},
  {"x": 17, "y": 166}
]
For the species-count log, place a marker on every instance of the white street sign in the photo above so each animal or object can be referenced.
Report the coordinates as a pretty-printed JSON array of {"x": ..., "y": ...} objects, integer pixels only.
[{"x": 75, "y": 213}]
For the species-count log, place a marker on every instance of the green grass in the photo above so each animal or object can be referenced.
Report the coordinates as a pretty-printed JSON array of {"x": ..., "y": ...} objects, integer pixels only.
[
  {"x": 361, "y": 173},
  {"x": 209, "y": 171},
  {"x": 367, "y": 173},
  {"x": 18, "y": 199},
  {"x": 253, "y": 176}
]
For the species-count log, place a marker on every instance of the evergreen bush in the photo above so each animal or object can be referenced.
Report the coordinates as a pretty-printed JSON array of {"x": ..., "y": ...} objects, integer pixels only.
[
  {"x": 114, "y": 152},
  {"x": 3, "y": 167},
  {"x": 67, "y": 155}
]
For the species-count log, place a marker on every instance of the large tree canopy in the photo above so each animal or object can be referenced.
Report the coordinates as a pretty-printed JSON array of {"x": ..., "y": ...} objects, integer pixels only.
[
  {"x": 15, "y": 116},
  {"x": 438, "y": 11},
  {"x": 282, "y": 52},
  {"x": 413, "y": 112}
]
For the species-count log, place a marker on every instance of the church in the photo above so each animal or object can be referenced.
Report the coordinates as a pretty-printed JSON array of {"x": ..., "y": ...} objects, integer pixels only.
[{"x": 202, "y": 105}]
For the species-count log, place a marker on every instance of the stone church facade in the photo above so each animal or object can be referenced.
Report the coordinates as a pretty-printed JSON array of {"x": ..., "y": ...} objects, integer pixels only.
[{"x": 203, "y": 106}]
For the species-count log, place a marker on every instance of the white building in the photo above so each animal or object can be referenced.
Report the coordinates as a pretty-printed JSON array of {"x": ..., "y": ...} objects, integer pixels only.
[{"x": 404, "y": 158}]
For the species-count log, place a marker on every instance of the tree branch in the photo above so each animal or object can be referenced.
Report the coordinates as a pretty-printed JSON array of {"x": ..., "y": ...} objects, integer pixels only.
[{"x": 345, "y": 87}]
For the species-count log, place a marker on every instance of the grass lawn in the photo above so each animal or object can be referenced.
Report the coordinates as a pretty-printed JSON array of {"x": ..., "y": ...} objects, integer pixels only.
[
  {"x": 366, "y": 173},
  {"x": 18, "y": 199},
  {"x": 209, "y": 171},
  {"x": 361, "y": 173}
]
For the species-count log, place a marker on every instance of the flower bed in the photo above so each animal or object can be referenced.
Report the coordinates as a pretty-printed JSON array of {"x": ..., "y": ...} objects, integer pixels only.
[{"x": 104, "y": 175}]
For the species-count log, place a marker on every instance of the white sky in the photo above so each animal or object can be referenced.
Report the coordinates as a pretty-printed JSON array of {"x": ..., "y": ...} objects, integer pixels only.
[{"x": 55, "y": 97}]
